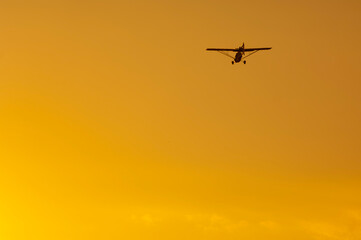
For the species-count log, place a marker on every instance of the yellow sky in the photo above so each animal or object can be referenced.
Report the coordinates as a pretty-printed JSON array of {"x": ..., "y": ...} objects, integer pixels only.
[{"x": 116, "y": 123}]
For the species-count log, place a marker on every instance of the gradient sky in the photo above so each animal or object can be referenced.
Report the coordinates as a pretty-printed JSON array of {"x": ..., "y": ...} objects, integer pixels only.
[{"x": 117, "y": 124}]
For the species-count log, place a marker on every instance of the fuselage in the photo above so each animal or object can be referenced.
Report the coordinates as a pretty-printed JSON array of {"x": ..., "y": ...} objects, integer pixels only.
[{"x": 238, "y": 56}]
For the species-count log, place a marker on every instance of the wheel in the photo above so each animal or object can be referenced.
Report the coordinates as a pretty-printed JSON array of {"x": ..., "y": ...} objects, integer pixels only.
[
  {"x": 244, "y": 62},
  {"x": 232, "y": 62}
]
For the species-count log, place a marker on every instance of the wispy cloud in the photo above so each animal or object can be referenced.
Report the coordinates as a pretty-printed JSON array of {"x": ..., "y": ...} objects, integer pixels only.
[
  {"x": 147, "y": 219},
  {"x": 271, "y": 225},
  {"x": 347, "y": 227}
]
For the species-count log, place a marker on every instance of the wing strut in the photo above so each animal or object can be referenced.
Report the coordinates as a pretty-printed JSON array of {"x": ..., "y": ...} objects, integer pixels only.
[
  {"x": 250, "y": 54},
  {"x": 226, "y": 54}
]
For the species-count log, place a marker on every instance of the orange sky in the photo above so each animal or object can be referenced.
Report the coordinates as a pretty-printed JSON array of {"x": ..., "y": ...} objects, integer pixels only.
[{"x": 117, "y": 124}]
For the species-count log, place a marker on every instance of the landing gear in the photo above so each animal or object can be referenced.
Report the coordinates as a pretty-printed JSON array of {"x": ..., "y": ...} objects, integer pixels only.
[
  {"x": 232, "y": 62},
  {"x": 244, "y": 62}
]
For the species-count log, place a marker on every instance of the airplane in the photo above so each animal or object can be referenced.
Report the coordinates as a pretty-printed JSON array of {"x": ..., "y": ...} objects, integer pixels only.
[{"x": 240, "y": 52}]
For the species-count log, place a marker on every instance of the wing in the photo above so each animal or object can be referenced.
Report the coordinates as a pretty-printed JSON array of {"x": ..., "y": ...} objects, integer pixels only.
[
  {"x": 223, "y": 49},
  {"x": 256, "y": 49}
]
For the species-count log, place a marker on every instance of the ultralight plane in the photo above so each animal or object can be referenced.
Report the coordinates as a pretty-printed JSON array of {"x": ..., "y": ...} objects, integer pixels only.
[{"x": 240, "y": 52}]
